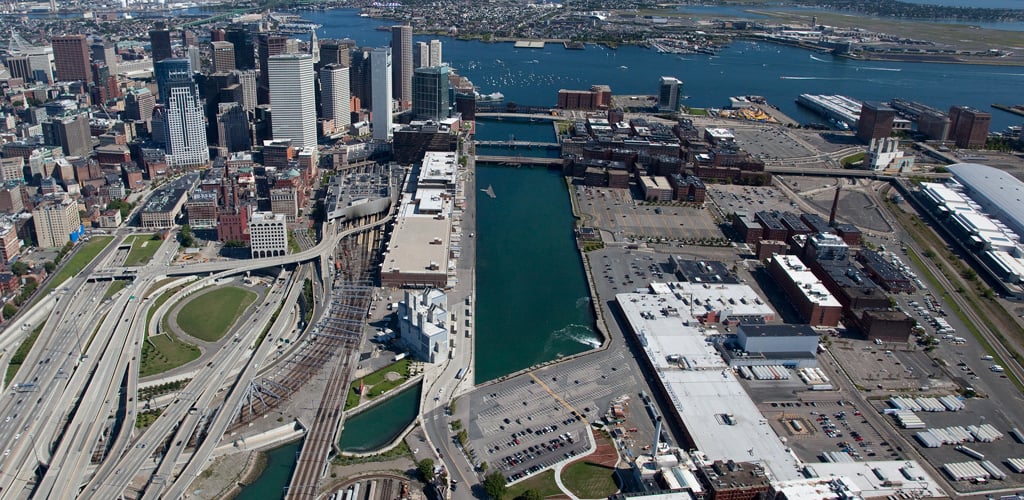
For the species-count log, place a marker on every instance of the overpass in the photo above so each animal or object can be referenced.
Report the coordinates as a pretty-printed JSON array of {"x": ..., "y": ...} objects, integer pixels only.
[
  {"x": 527, "y": 117},
  {"x": 518, "y": 144},
  {"x": 846, "y": 172}
]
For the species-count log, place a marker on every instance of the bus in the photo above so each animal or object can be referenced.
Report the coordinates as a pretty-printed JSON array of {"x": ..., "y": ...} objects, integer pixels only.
[{"x": 461, "y": 372}]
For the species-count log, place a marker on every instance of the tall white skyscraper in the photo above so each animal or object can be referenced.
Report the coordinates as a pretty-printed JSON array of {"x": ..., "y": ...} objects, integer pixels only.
[
  {"x": 184, "y": 130},
  {"x": 435, "y": 53},
  {"x": 292, "y": 98},
  {"x": 380, "y": 71},
  {"x": 335, "y": 95}
]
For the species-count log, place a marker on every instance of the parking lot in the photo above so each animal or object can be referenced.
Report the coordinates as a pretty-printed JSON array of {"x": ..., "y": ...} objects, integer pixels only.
[
  {"x": 771, "y": 143},
  {"x": 528, "y": 423},
  {"x": 819, "y": 422},
  {"x": 750, "y": 199},
  {"x": 624, "y": 214}
]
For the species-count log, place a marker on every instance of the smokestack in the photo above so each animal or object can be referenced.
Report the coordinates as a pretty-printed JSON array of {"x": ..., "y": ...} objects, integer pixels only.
[
  {"x": 657, "y": 437},
  {"x": 835, "y": 205}
]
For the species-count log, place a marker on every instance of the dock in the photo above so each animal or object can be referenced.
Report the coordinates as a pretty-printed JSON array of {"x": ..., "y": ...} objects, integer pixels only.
[
  {"x": 527, "y": 44},
  {"x": 1017, "y": 109}
]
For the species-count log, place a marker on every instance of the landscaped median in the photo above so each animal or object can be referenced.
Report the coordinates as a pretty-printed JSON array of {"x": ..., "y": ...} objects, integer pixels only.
[
  {"x": 208, "y": 316},
  {"x": 144, "y": 247}
]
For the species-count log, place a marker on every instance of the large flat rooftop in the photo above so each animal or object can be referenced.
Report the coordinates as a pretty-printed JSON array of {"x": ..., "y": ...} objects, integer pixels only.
[
  {"x": 419, "y": 243},
  {"x": 717, "y": 412}
]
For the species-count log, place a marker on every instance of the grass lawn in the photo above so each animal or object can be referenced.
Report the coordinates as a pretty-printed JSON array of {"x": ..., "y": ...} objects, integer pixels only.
[
  {"x": 376, "y": 383},
  {"x": 209, "y": 316},
  {"x": 143, "y": 249},
  {"x": 164, "y": 352},
  {"x": 543, "y": 483},
  {"x": 19, "y": 355},
  {"x": 587, "y": 480},
  {"x": 115, "y": 287},
  {"x": 88, "y": 251},
  {"x": 853, "y": 159}
]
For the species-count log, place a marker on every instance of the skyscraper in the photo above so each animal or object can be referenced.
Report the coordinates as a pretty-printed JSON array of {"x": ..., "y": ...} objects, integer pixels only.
[
  {"x": 668, "y": 93},
  {"x": 314, "y": 47},
  {"x": 336, "y": 52},
  {"x": 232, "y": 127},
  {"x": 292, "y": 102},
  {"x": 223, "y": 56},
  {"x": 160, "y": 42},
  {"x": 103, "y": 52},
  {"x": 185, "y": 131},
  {"x": 380, "y": 65},
  {"x": 269, "y": 45},
  {"x": 360, "y": 75},
  {"x": 244, "y": 52},
  {"x": 71, "y": 133},
  {"x": 247, "y": 79},
  {"x": 430, "y": 93},
  {"x": 71, "y": 58},
  {"x": 139, "y": 104},
  {"x": 421, "y": 55},
  {"x": 335, "y": 95},
  {"x": 401, "y": 69},
  {"x": 435, "y": 53}
]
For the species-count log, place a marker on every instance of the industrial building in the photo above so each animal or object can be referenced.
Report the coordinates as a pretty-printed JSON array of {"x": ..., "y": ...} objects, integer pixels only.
[
  {"x": 725, "y": 303},
  {"x": 884, "y": 272},
  {"x": 700, "y": 271},
  {"x": 805, "y": 291},
  {"x": 420, "y": 253},
  {"x": 423, "y": 322},
  {"x": 968, "y": 127},
  {"x": 981, "y": 209},
  {"x": 875, "y": 121},
  {"x": 716, "y": 414}
]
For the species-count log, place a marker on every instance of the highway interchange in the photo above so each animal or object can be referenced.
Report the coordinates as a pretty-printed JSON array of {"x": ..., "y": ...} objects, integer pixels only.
[{"x": 83, "y": 372}]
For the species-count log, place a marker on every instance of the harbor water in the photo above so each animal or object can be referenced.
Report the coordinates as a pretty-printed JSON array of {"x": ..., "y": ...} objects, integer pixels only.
[
  {"x": 534, "y": 76},
  {"x": 375, "y": 428},
  {"x": 272, "y": 482}
]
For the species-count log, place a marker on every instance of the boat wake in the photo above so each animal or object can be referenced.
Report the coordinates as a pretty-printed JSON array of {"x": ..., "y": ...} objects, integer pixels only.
[
  {"x": 806, "y": 78},
  {"x": 582, "y": 302},
  {"x": 884, "y": 69},
  {"x": 581, "y": 334},
  {"x": 819, "y": 59}
]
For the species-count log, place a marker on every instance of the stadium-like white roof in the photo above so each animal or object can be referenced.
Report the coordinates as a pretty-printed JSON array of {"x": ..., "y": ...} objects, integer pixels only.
[{"x": 1000, "y": 192}]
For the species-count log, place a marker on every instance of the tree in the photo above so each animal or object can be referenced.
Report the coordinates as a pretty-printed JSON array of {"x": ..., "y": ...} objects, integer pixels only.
[
  {"x": 530, "y": 494},
  {"x": 494, "y": 485},
  {"x": 50, "y": 266},
  {"x": 19, "y": 268},
  {"x": 187, "y": 238},
  {"x": 9, "y": 310},
  {"x": 426, "y": 469}
]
